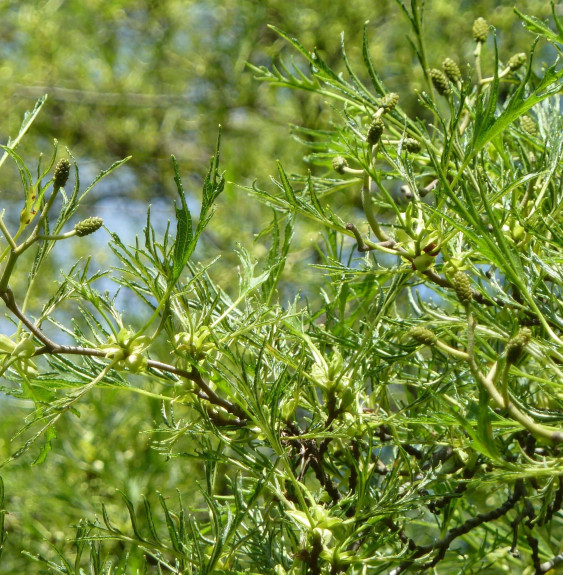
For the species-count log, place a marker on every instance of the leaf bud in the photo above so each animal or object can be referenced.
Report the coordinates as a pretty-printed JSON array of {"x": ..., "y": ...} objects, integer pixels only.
[
  {"x": 452, "y": 70},
  {"x": 196, "y": 345},
  {"x": 440, "y": 81},
  {"x": 462, "y": 286},
  {"x": 374, "y": 131},
  {"x": 516, "y": 61},
  {"x": 88, "y": 226},
  {"x": 135, "y": 363},
  {"x": 338, "y": 164},
  {"x": 62, "y": 171},
  {"x": 432, "y": 249},
  {"x": 423, "y": 262},
  {"x": 7, "y": 345},
  {"x": 480, "y": 30},
  {"x": 517, "y": 232},
  {"x": 24, "y": 348},
  {"x": 423, "y": 335}
]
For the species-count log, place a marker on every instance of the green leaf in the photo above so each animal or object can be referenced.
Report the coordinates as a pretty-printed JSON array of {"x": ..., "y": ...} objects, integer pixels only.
[
  {"x": 518, "y": 104},
  {"x": 375, "y": 80},
  {"x": 247, "y": 281},
  {"x": 358, "y": 84},
  {"x": 28, "y": 119},
  {"x": 3, "y": 512},
  {"x": 277, "y": 257},
  {"x": 150, "y": 521},
  {"x": 484, "y": 425},
  {"x": 287, "y": 187},
  {"x": 487, "y": 104},
  {"x": 186, "y": 239},
  {"x": 540, "y": 28},
  {"x": 481, "y": 441},
  {"x": 213, "y": 185},
  {"x": 25, "y": 174},
  {"x": 342, "y": 90},
  {"x": 132, "y": 517},
  {"x": 50, "y": 435},
  {"x": 172, "y": 531},
  {"x": 103, "y": 174},
  {"x": 183, "y": 246},
  {"x": 293, "y": 41}
]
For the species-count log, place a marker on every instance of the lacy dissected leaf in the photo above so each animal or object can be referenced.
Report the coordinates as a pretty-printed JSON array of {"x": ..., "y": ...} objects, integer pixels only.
[
  {"x": 186, "y": 238},
  {"x": 28, "y": 119},
  {"x": 489, "y": 127},
  {"x": 277, "y": 256},
  {"x": 184, "y": 244},
  {"x": 536, "y": 26}
]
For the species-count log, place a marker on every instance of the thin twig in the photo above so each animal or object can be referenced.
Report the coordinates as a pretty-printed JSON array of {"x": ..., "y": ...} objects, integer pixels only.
[
  {"x": 51, "y": 347},
  {"x": 443, "y": 544}
]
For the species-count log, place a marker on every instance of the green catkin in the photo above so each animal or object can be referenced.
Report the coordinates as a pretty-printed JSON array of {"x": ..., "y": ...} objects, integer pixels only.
[
  {"x": 411, "y": 145},
  {"x": 374, "y": 131},
  {"x": 440, "y": 81},
  {"x": 88, "y": 226},
  {"x": 462, "y": 286},
  {"x": 423, "y": 335},
  {"x": 528, "y": 125},
  {"x": 480, "y": 30},
  {"x": 516, "y": 345},
  {"x": 452, "y": 70},
  {"x": 516, "y": 61},
  {"x": 62, "y": 171},
  {"x": 339, "y": 164},
  {"x": 389, "y": 101}
]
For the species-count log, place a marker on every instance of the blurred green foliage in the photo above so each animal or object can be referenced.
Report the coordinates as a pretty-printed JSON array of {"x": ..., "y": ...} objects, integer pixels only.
[{"x": 152, "y": 78}]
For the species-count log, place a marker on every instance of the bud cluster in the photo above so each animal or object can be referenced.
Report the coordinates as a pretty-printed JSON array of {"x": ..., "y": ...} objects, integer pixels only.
[
  {"x": 411, "y": 145},
  {"x": 127, "y": 350},
  {"x": 196, "y": 345}
]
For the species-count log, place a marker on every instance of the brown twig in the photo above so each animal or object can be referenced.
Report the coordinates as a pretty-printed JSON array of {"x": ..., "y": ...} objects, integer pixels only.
[
  {"x": 443, "y": 544},
  {"x": 53, "y": 348}
]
